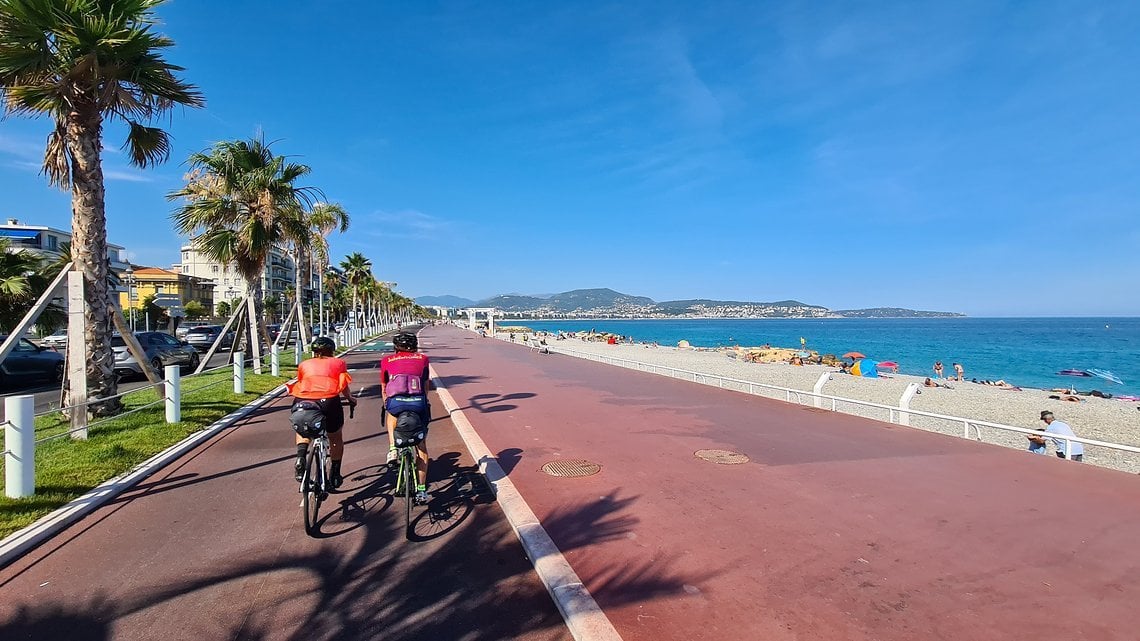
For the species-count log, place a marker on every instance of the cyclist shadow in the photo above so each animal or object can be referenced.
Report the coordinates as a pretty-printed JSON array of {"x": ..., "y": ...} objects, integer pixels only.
[
  {"x": 357, "y": 502},
  {"x": 456, "y": 490}
]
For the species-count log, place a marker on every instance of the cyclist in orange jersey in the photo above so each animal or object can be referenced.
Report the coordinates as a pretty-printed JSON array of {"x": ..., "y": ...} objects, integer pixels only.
[{"x": 324, "y": 379}]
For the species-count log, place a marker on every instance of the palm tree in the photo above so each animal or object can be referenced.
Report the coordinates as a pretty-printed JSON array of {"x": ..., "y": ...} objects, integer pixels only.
[
  {"x": 358, "y": 270},
  {"x": 83, "y": 62},
  {"x": 322, "y": 219},
  {"x": 242, "y": 202}
]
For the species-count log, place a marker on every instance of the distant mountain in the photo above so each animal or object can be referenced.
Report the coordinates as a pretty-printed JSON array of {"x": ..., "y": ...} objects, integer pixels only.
[
  {"x": 585, "y": 303},
  {"x": 444, "y": 301},
  {"x": 512, "y": 302},
  {"x": 592, "y": 298},
  {"x": 893, "y": 312}
]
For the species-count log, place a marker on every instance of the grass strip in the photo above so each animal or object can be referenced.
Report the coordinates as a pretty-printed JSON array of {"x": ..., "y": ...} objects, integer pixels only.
[{"x": 67, "y": 468}]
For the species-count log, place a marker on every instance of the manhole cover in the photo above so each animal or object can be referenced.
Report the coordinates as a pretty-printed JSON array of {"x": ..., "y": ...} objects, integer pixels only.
[
  {"x": 722, "y": 457},
  {"x": 571, "y": 468}
]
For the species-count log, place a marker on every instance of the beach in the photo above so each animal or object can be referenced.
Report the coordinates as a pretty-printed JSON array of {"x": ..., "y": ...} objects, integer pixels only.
[{"x": 1109, "y": 420}]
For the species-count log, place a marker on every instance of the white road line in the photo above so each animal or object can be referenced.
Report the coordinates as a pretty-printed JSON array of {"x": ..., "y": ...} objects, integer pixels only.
[{"x": 583, "y": 617}]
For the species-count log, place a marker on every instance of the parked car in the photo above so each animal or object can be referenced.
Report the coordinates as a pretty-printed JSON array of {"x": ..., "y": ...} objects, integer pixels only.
[
  {"x": 28, "y": 360},
  {"x": 57, "y": 340},
  {"x": 180, "y": 333},
  {"x": 201, "y": 338},
  {"x": 161, "y": 349}
]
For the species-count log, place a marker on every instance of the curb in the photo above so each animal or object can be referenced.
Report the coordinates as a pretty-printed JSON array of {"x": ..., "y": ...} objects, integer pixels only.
[
  {"x": 583, "y": 617},
  {"x": 22, "y": 541}
]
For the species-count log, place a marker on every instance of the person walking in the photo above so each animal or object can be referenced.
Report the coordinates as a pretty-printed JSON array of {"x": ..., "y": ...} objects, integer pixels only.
[
  {"x": 937, "y": 369},
  {"x": 1060, "y": 429}
]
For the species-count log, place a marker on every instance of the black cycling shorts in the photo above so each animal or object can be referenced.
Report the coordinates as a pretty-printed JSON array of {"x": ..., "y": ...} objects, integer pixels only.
[{"x": 333, "y": 411}]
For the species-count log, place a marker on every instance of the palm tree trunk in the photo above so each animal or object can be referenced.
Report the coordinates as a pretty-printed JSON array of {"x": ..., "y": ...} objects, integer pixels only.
[
  {"x": 302, "y": 325},
  {"x": 89, "y": 253},
  {"x": 257, "y": 333}
]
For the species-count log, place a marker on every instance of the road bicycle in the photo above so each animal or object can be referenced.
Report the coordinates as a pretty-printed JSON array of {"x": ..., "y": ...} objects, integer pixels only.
[
  {"x": 405, "y": 479},
  {"x": 316, "y": 483}
]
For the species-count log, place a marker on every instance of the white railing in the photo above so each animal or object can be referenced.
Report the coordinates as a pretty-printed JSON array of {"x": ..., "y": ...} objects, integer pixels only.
[{"x": 894, "y": 413}]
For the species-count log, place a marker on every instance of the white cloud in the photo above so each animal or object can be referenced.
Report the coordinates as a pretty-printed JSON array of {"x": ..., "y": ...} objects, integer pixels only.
[
  {"x": 128, "y": 176},
  {"x": 407, "y": 223}
]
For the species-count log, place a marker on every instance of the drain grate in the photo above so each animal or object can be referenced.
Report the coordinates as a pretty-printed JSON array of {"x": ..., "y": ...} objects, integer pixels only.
[
  {"x": 573, "y": 467},
  {"x": 721, "y": 457}
]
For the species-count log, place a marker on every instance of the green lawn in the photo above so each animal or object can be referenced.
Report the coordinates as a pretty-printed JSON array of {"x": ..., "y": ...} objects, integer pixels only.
[{"x": 66, "y": 468}]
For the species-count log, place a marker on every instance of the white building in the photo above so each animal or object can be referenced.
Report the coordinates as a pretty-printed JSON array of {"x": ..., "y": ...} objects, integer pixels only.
[
  {"x": 45, "y": 241},
  {"x": 278, "y": 278}
]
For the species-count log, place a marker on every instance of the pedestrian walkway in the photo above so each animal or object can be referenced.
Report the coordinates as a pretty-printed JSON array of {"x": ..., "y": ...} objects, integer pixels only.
[
  {"x": 695, "y": 513},
  {"x": 213, "y": 547}
]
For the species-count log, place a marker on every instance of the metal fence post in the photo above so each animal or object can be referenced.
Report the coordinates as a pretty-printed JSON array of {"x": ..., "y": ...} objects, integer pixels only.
[
  {"x": 297, "y": 352},
  {"x": 173, "y": 385},
  {"x": 239, "y": 373},
  {"x": 20, "y": 441},
  {"x": 275, "y": 361}
]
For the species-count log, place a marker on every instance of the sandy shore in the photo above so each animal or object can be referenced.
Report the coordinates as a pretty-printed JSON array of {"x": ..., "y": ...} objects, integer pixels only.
[{"x": 1107, "y": 420}]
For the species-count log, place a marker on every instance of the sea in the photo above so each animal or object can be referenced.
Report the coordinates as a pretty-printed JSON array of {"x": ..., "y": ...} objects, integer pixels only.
[{"x": 1021, "y": 351}]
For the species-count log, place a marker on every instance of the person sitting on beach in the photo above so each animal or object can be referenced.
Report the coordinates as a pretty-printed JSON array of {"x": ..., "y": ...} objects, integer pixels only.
[
  {"x": 1053, "y": 426},
  {"x": 1037, "y": 443},
  {"x": 929, "y": 383}
]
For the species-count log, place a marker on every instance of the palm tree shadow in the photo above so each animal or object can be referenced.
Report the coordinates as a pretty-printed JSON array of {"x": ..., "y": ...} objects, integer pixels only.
[{"x": 378, "y": 588}]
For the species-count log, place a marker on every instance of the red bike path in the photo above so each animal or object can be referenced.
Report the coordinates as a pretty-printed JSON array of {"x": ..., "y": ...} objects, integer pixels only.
[
  {"x": 837, "y": 527},
  {"x": 212, "y": 547}
]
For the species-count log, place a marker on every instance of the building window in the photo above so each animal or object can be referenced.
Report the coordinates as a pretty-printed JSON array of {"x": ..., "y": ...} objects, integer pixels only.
[
  {"x": 52, "y": 243},
  {"x": 215, "y": 269},
  {"x": 158, "y": 289},
  {"x": 225, "y": 281}
]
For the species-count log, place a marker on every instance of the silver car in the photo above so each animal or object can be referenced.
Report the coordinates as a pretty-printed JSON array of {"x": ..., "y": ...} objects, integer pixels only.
[{"x": 161, "y": 349}]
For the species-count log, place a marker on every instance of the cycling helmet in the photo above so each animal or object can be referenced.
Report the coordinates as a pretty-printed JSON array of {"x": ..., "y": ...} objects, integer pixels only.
[
  {"x": 324, "y": 345},
  {"x": 405, "y": 342}
]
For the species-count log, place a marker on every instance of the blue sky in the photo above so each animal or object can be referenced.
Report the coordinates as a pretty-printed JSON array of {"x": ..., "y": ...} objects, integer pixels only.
[{"x": 978, "y": 157}]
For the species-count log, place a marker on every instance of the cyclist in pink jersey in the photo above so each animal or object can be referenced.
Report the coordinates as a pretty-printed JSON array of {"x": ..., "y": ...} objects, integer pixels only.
[{"x": 404, "y": 381}]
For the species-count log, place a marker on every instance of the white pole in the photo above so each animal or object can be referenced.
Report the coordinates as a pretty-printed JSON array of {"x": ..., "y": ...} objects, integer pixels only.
[
  {"x": 818, "y": 389},
  {"x": 20, "y": 441},
  {"x": 173, "y": 394},
  {"x": 275, "y": 360},
  {"x": 239, "y": 373},
  {"x": 904, "y": 403}
]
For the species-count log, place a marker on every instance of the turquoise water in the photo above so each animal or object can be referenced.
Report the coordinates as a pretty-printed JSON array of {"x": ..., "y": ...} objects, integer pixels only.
[{"x": 1022, "y": 351}]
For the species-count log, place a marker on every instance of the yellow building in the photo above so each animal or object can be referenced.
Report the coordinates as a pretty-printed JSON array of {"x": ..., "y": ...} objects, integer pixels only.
[{"x": 142, "y": 282}]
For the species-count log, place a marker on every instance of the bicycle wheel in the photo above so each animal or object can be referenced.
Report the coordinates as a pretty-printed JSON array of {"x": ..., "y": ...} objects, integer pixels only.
[
  {"x": 311, "y": 490},
  {"x": 408, "y": 472}
]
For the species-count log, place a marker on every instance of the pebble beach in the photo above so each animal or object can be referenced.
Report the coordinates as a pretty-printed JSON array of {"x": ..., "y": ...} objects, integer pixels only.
[{"x": 1109, "y": 420}]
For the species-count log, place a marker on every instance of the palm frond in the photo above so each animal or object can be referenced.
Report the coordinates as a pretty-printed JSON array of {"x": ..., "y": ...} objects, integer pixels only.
[{"x": 147, "y": 146}]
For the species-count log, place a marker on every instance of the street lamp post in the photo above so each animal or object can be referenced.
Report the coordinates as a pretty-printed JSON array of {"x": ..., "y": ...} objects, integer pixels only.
[{"x": 130, "y": 274}]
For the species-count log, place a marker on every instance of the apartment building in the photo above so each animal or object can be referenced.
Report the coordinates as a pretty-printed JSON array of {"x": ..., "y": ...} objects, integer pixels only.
[
  {"x": 45, "y": 241},
  {"x": 147, "y": 281},
  {"x": 278, "y": 278}
]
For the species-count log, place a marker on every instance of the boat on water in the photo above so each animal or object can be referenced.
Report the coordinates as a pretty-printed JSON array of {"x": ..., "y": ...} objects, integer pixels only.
[
  {"x": 1074, "y": 372},
  {"x": 1106, "y": 375}
]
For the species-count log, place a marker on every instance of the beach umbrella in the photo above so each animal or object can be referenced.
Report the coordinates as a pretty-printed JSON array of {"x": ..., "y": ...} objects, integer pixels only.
[
  {"x": 864, "y": 368},
  {"x": 854, "y": 355}
]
